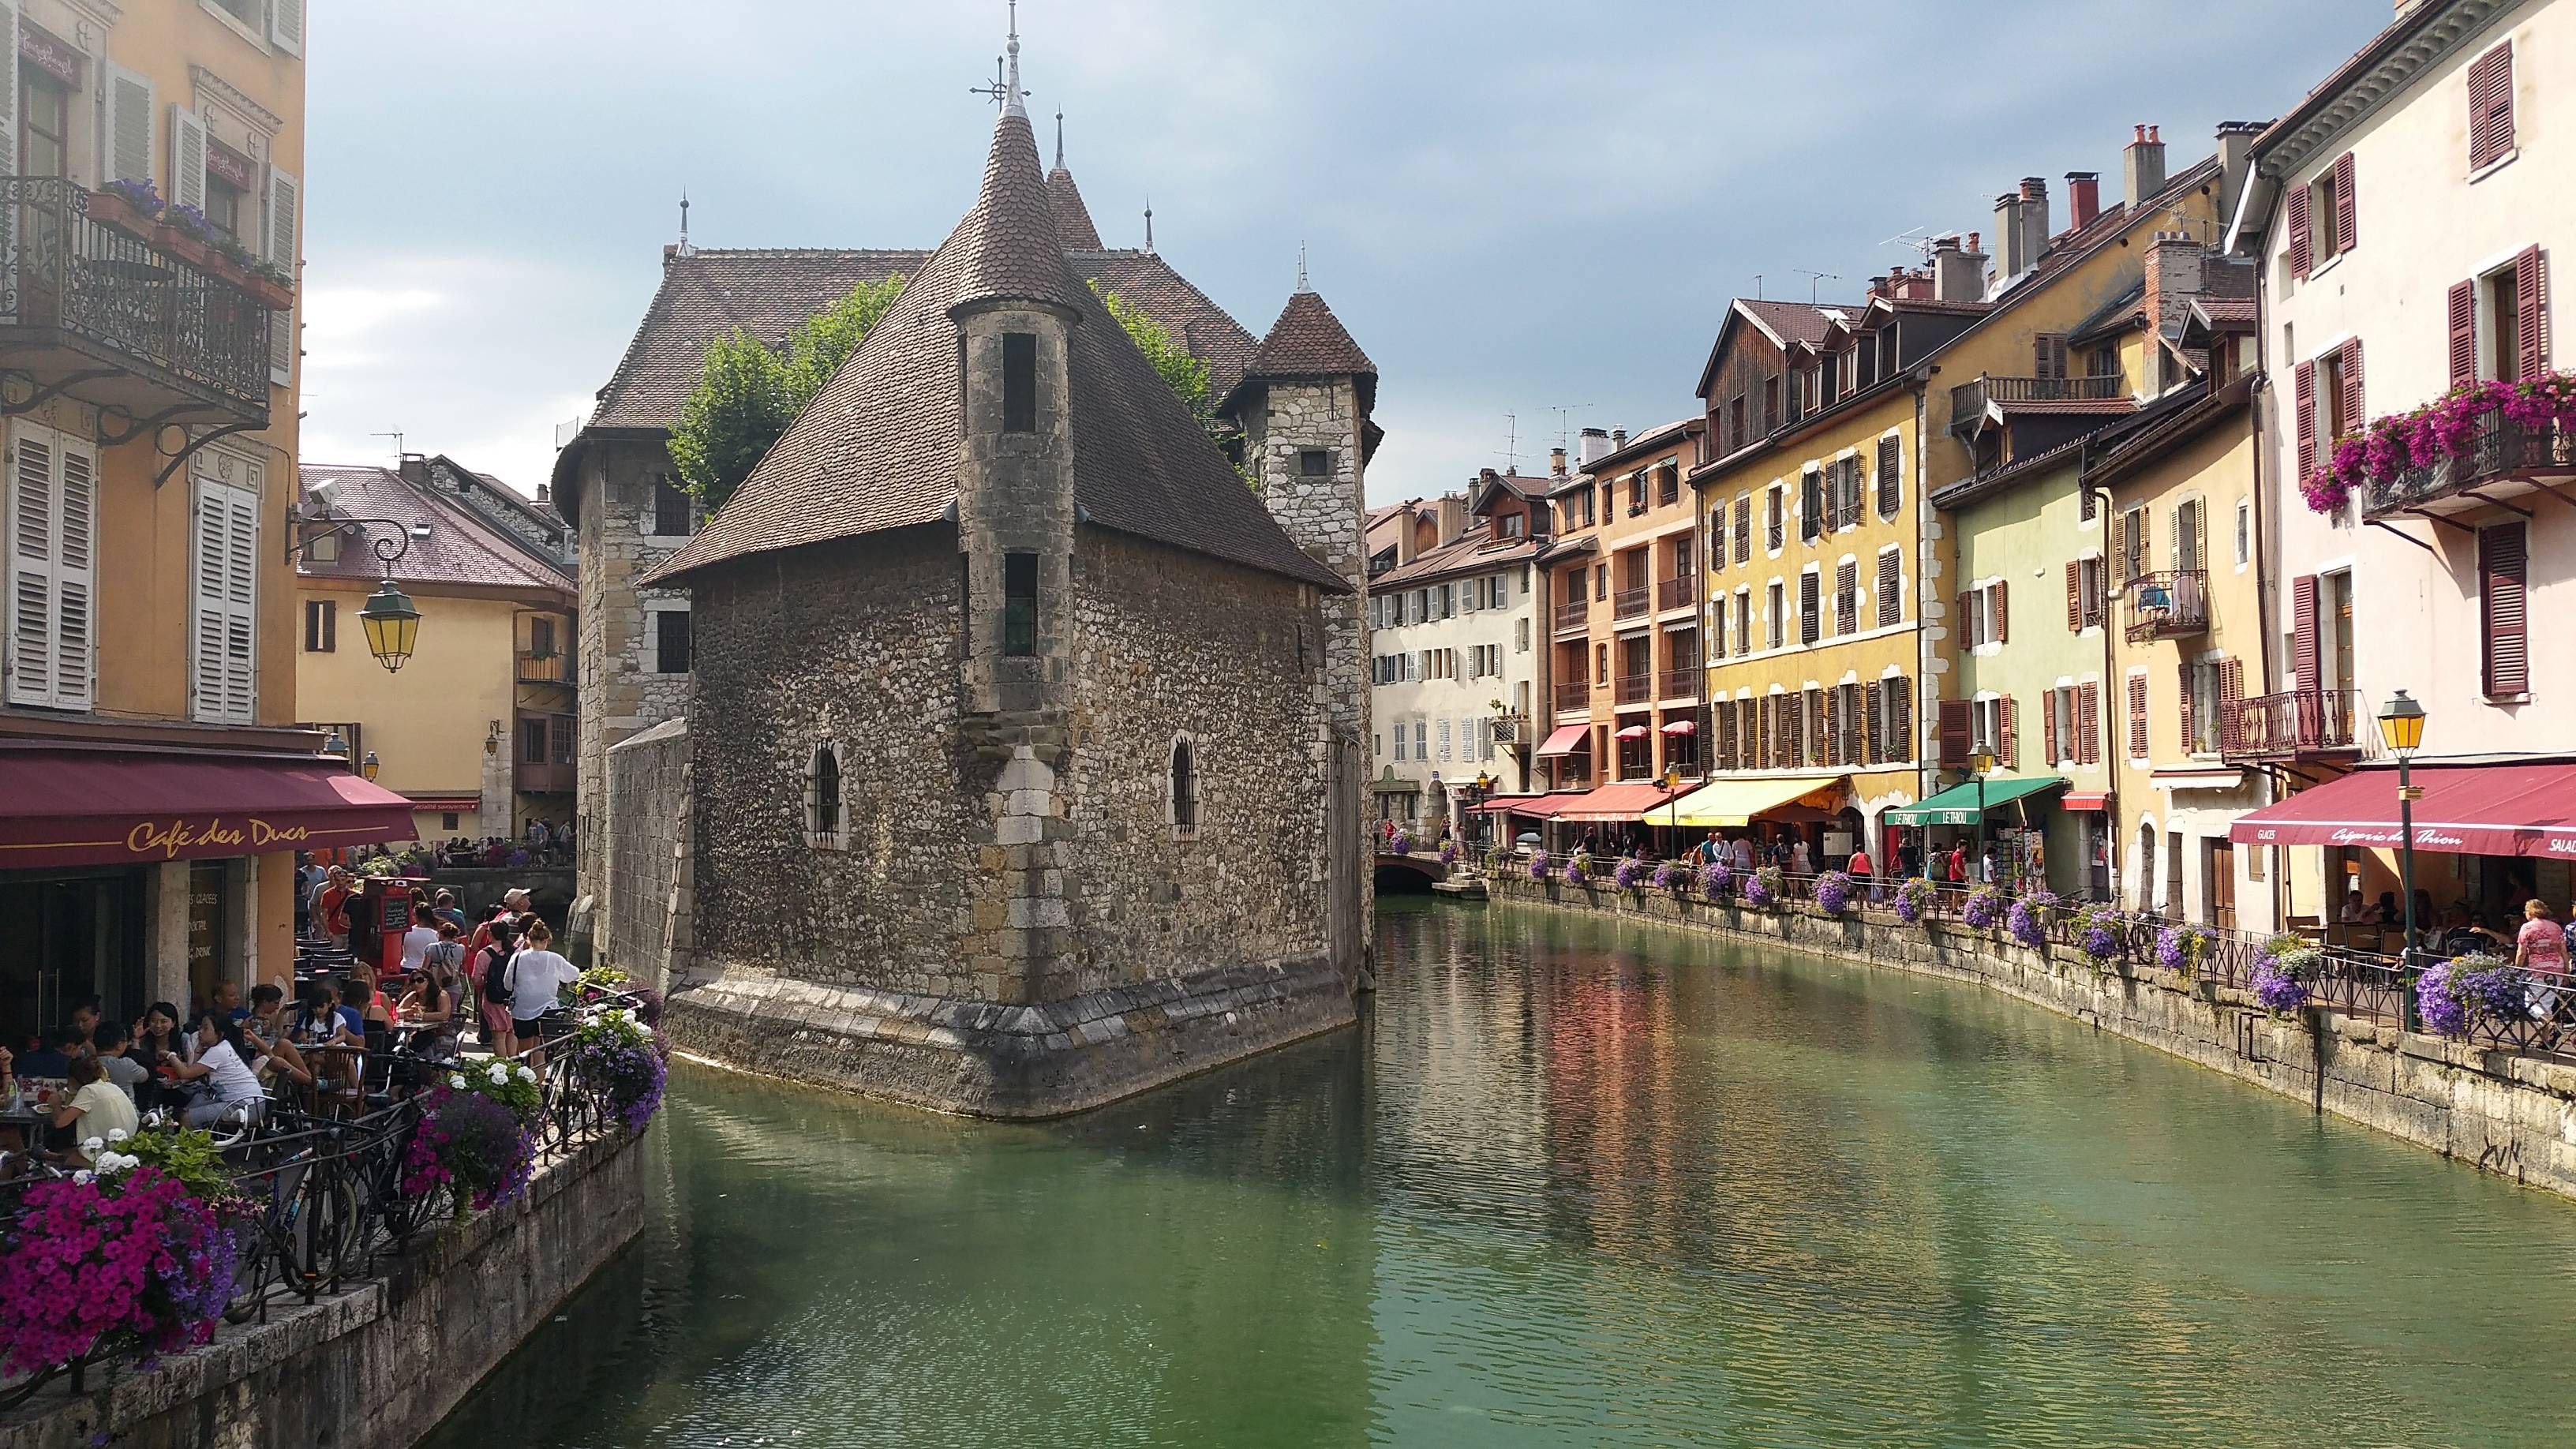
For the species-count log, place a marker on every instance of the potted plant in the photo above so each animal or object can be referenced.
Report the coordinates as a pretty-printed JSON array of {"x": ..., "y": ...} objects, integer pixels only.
[
  {"x": 1914, "y": 900},
  {"x": 185, "y": 233},
  {"x": 1833, "y": 892},
  {"x": 130, "y": 206}
]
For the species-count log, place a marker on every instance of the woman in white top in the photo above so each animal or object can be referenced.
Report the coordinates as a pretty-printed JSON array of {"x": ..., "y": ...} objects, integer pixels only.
[
  {"x": 536, "y": 977},
  {"x": 230, "y": 1066}
]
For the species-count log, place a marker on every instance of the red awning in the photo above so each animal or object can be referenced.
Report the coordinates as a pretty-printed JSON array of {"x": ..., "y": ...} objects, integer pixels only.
[
  {"x": 76, "y": 807},
  {"x": 1682, "y": 727},
  {"x": 2466, "y": 810},
  {"x": 1614, "y": 803},
  {"x": 2075, "y": 800},
  {"x": 1632, "y": 732},
  {"x": 1507, "y": 804},
  {"x": 1565, "y": 741}
]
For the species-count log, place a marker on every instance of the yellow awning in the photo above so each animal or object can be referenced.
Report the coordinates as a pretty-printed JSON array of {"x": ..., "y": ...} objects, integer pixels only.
[{"x": 1732, "y": 804}]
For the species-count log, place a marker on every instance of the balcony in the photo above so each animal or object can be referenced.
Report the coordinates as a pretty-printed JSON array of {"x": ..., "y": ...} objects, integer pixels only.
[
  {"x": 531, "y": 778},
  {"x": 2173, "y": 604},
  {"x": 1573, "y": 698},
  {"x": 545, "y": 668},
  {"x": 1969, "y": 401},
  {"x": 1573, "y": 615},
  {"x": 1681, "y": 683},
  {"x": 90, "y": 312},
  {"x": 2289, "y": 726},
  {"x": 1676, "y": 593},
  {"x": 2504, "y": 456},
  {"x": 1631, "y": 603},
  {"x": 1636, "y": 689}
]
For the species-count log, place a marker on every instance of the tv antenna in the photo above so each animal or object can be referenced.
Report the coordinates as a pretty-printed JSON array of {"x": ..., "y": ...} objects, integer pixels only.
[
  {"x": 1511, "y": 442},
  {"x": 1565, "y": 421},
  {"x": 397, "y": 436},
  {"x": 1813, "y": 279},
  {"x": 1913, "y": 238}
]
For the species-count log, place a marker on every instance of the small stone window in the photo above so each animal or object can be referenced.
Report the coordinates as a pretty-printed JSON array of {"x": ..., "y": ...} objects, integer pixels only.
[
  {"x": 1183, "y": 803},
  {"x": 823, "y": 812},
  {"x": 1314, "y": 462},
  {"x": 1019, "y": 382},
  {"x": 1019, "y": 605},
  {"x": 673, "y": 508}
]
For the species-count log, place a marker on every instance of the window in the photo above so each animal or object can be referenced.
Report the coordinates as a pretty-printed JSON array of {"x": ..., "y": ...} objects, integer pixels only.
[
  {"x": 2491, "y": 107},
  {"x": 447, "y": 820},
  {"x": 1314, "y": 462},
  {"x": 670, "y": 641},
  {"x": 1601, "y": 581},
  {"x": 1847, "y": 491},
  {"x": 2330, "y": 211},
  {"x": 1668, "y": 484},
  {"x": 2084, "y": 597},
  {"x": 1717, "y": 631},
  {"x": 321, "y": 626},
  {"x": 1773, "y": 503},
  {"x": 1735, "y": 437},
  {"x": 673, "y": 516},
  {"x": 1891, "y": 481},
  {"x": 1520, "y": 638},
  {"x": 224, "y": 204},
  {"x": 1444, "y": 741},
  {"x": 1600, "y": 664},
  {"x": 1421, "y": 740},
  {"x": 2138, "y": 716},
  {"x": 1636, "y": 493},
  {"x": 1811, "y": 505},
  {"x": 1513, "y": 525},
  {"x": 2501, "y": 582},
  {"x": 825, "y": 812},
  {"x": 44, "y": 121},
  {"x": 2244, "y": 531},
  {"x": 1019, "y": 605},
  {"x": 2133, "y": 544},
  {"x": 1846, "y": 597},
  {"x": 1185, "y": 787},
  {"x": 1811, "y": 621},
  {"x": 1743, "y": 621},
  {"x": 1744, "y": 529},
  {"x": 1019, "y": 382},
  {"x": 532, "y": 739},
  {"x": 1717, "y": 538},
  {"x": 1399, "y": 739},
  {"x": 224, "y": 645},
  {"x": 1891, "y": 587}
]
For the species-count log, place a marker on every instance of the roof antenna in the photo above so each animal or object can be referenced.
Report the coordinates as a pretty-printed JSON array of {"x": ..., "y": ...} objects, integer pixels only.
[
  {"x": 1301, "y": 268},
  {"x": 1812, "y": 279},
  {"x": 1149, "y": 224},
  {"x": 1512, "y": 442},
  {"x": 397, "y": 436}
]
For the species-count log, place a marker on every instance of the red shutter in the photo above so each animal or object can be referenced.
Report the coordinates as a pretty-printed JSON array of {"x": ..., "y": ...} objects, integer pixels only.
[
  {"x": 2048, "y": 731},
  {"x": 1967, "y": 630},
  {"x": 2007, "y": 746},
  {"x": 2306, "y": 390},
  {"x": 1956, "y": 732},
  {"x": 2231, "y": 690},
  {"x": 2531, "y": 312},
  {"x": 2344, "y": 237},
  {"x": 2353, "y": 417},
  {"x": 2500, "y": 566},
  {"x": 2298, "y": 204},
  {"x": 2303, "y": 631},
  {"x": 2088, "y": 724},
  {"x": 2464, "y": 334},
  {"x": 2003, "y": 615},
  {"x": 2074, "y": 598},
  {"x": 2491, "y": 106},
  {"x": 2138, "y": 716}
]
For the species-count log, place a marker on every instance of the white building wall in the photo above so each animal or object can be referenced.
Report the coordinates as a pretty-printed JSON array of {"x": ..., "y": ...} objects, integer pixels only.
[{"x": 1464, "y": 703}]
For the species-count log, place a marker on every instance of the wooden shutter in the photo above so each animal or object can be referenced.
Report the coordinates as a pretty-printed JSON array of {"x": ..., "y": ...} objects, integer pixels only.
[
  {"x": 1873, "y": 730},
  {"x": 2501, "y": 558},
  {"x": 2305, "y": 389},
  {"x": 2531, "y": 311},
  {"x": 2048, "y": 355},
  {"x": 131, "y": 112},
  {"x": 2303, "y": 632},
  {"x": 1891, "y": 485},
  {"x": 2088, "y": 724},
  {"x": 2298, "y": 207},
  {"x": 2354, "y": 419},
  {"x": 1810, "y": 624},
  {"x": 1891, "y": 589},
  {"x": 1818, "y": 735},
  {"x": 187, "y": 158},
  {"x": 1811, "y": 504},
  {"x": 1833, "y": 741},
  {"x": 2008, "y": 738},
  {"x": 2491, "y": 106},
  {"x": 1744, "y": 529},
  {"x": 1847, "y": 597},
  {"x": 2003, "y": 612},
  {"x": 2190, "y": 735},
  {"x": 2138, "y": 737},
  {"x": 2048, "y": 730},
  {"x": 33, "y": 508},
  {"x": 286, "y": 25},
  {"x": 2074, "y": 597},
  {"x": 2464, "y": 334},
  {"x": 1957, "y": 731},
  {"x": 2344, "y": 237},
  {"x": 226, "y": 599},
  {"x": 2231, "y": 691},
  {"x": 1967, "y": 622},
  {"x": 1899, "y": 694}
]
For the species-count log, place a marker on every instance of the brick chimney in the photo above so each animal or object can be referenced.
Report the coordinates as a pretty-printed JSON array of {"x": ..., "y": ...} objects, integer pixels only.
[
  {"x": 1958, "y": 274},
  {"x": 2145, "y": 164},
  {"x": 1408, "y": 533},
  {"x": 414, "y": 469},
  {"x": 1453, "y": 517},
  {"x": 2083, "y": 198},
  {"x": 2173, "y": 276},
  {"x": 1556, "y": 462}
]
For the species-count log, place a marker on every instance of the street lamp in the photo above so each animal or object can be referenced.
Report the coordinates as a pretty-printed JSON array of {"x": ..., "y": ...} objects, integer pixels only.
[
  {"x": 369, "y": 766},
  {"x": 391, "y": 622},
  {"x": 2401, "y": 726},
  {"x": 1980, "y": 763},
  {"x": 392, "y": 626},
  {"x": 1672, "y": 783},
  {"x": 1477, "y": 794}
]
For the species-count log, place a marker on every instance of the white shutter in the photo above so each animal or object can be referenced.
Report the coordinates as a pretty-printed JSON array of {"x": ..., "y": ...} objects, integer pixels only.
[
  {"x": 9, "y": 90},
  {"x": 31, "y": 568},
  {"x": 75, "y": 573},
  {"x": 187, "y": 158},
  {"x": 286, "y": 25},
  {"x": 285, "y": 206},
  {"x": 130, "y": 109},
  {"x": 224, "y": 593}
]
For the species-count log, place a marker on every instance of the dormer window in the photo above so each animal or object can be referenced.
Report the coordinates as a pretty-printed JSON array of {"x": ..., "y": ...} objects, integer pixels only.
[{"x": 1019, "y": 382}]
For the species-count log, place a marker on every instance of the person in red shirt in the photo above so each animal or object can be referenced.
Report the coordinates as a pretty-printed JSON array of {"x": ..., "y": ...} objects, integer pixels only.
[{"x": 335, "y": 907}]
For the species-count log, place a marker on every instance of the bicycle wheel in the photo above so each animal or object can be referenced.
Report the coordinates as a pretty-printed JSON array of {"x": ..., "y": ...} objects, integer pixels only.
[{"x": 257, "y": 1264}]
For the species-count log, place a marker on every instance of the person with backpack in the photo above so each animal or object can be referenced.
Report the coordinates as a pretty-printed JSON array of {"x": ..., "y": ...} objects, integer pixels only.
[
  {"x": 492, "y": 982},
  {"x": 536, "y": 977}
]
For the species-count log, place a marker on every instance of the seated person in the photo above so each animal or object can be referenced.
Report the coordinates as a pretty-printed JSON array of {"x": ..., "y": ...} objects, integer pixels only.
[
  {"x": 53, "y": 1057},
  {"x": 229, "y": 1065},
  {"x": 2389, "y": 912},
  {"x": 2356, "y": 912},
  {"x": 109, "y": 1044},
  {"x": 370, "y": 1007},
  {"x": 97, "y": 1107}
]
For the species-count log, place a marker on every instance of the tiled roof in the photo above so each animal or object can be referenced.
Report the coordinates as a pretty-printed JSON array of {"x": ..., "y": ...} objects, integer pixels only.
[
  {"x": 1308, "y": 341},
  {"x": 1146, "y": 281},
  {"x": 1073, "y": 227},
  {"x": 877, "y": 449},
  {"x": 2229, "y": 312},
  {"x": 459, "y": 548},
  {"x": 1470, "y": 552},
  {"x": 2076, "y": 405},
  {"x": 1791, "y": 322}
]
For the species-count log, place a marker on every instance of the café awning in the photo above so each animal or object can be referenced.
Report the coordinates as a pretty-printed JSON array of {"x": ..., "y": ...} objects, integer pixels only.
[
  {"x": 1732, "y": 804},
  {"x": 1617, "y": 804},
  {"x": 2502, "y": 809},
  {"x": 1565, "y": 740},
  {"x": 1958, "y": 805},
  {"x": 106, "y": 807}
]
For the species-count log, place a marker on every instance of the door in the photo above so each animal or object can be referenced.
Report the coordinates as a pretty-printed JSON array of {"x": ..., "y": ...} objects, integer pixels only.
[{"x": 2220, "y": 868}]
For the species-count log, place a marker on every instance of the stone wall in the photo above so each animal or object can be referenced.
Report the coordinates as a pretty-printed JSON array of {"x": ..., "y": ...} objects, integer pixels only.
[
  {"x": 379, "y": 1366},
  {"x": 621, "y": 692},
  {"x": 2506, "y": 1114},
  {"x": 648, "y": 851}
]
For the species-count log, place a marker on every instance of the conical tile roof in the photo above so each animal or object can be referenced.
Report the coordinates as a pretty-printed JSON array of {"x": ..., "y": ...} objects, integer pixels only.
[
  {"x": 1073, "y": 229},
  {"x": 1007, "y": 245}
]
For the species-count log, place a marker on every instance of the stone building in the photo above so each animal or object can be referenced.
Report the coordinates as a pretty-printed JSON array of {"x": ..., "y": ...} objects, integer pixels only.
[{"x": 1025, "y": 747}]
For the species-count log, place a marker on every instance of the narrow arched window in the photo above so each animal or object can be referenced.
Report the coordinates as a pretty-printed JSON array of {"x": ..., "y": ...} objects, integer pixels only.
[
  {"x": 827, "y": 791},
  {"x": 1185, "y": 787}
]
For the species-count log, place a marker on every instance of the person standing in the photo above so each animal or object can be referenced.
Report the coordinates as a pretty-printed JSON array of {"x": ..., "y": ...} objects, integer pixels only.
[
  {"x": 1744, "y": 854},
  {"x": 536, "y": 977},
  {"x": 1858, "y": 869}
]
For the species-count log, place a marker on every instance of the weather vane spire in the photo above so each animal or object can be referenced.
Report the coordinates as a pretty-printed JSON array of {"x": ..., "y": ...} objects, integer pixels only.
[
  {"x": 1301, "y": 268},
  {"x": 1005, "y": 90},
  {"x": 1059, "y": 138}
]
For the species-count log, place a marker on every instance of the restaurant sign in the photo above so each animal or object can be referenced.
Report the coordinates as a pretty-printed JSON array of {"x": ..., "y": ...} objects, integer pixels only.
[
  {"x": 233, "y": 166},
  {"x": 49, "y": 55},
  {"x": 152, "y": 839}
]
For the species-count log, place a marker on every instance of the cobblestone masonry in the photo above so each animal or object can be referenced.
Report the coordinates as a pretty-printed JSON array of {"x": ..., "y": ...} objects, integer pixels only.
[
  {"x": 621, "y": 692},
  {"x": 648, "y": 802},
  {"x": 2503, "y": 1113}
]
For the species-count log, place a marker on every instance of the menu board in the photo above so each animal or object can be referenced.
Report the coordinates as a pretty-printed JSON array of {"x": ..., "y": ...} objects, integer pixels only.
[{"x": 205, "y": 926}]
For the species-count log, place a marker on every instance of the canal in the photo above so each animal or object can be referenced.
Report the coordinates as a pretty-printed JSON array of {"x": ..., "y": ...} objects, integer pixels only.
[{"x": 1576, "y": 1183}]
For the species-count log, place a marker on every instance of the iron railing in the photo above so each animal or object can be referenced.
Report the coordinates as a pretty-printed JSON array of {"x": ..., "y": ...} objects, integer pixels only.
[
  {"x": 2499, "y": 449},
  {"x": 1577, "y": 695},
  {"x": 1969, "y": 400},
  {"x": 2169, "y": 604},
  {"x": 1572, "y": 614},
  {"x": 2286, "y": 726},
  {"x": 1681, "y": 683},
  {"x": 1676, "y": 593},
  {"x": 1629, "y": 603},
  {"x": 1636, "y": 688},
  {"x": 189, "y": 329}
]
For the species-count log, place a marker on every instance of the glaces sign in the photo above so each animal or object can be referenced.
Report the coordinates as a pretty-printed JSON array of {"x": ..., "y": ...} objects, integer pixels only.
[{"x": 247, "y": 834}]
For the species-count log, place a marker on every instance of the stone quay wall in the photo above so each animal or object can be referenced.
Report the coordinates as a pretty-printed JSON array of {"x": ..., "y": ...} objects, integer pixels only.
[
  {"x": 2502, "y": 1112},
  {"x": 646, "y": 874},
  {"x": 377, "y": 1366}
]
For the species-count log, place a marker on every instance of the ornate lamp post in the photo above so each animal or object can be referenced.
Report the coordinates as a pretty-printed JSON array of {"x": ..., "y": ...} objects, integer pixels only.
[
  {"x": 392, "y": 626},
  {"x": 1980, "y": 764},
  {"x": 391, "y": 622},
  {"x": 1477, "y": 794},
  {"x": 2401, "y": 727}
]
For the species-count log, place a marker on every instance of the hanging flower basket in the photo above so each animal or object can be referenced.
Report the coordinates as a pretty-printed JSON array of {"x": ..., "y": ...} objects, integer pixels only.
[
  {"x": 1717, "y": 882},
  {"x": 2445, "y": 428},
  {"x": 1914, "y": 900},
  {"x": 1833, "y": 892},
  {"x": 1672, "y": 876}
]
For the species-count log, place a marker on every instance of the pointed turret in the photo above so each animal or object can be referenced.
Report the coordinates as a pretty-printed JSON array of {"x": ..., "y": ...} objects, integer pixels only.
[
  {"x": 1007, "y": 247},
  {"x": 1073, "y": 227}
]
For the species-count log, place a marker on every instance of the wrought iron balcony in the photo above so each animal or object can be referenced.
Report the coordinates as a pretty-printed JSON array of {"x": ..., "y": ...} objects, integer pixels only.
[
  {"x": 92, "y": 312},
  {"x": 2173, "y": 604},
  {"x": 1629, "y": 603},
  {"x": 1636, "y": 688},
  {"x": 1676, "y": 593},
  {"x": 2502, "y": 453},
  {"x": 1969, "y": 400},
  {"x": 1573, "y": 698},
  {"x": 1573, "y": 614},
  {"x": 1681, "y": 683},
  {"x": 2288, "y": 726}
]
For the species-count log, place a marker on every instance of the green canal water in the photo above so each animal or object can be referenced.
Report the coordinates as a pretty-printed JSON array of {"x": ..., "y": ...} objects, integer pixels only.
[{"x": 1574, "y": 1184}]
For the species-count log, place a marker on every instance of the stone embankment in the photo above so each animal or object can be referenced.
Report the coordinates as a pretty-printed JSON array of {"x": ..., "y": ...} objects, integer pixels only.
[
  {"x": 2506, "y": 1113},
  {"x": 378, "y": 1365}
]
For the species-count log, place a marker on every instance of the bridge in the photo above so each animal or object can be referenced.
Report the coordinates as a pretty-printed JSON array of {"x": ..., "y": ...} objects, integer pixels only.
[{"x": 1409, "y": 872}]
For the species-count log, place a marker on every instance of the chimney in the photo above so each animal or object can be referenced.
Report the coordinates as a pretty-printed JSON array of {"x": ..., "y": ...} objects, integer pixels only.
[
  {"x": 2009, "y": 260},
  {"x": 1958, "y": 275},
  {"x": 2083, "y": 198},
  {"x": 2172, "y": 279},
  {"x": 2235, "y": 162},
  {"x": 545, "y": 493},
  {"x": 1408, "y": 533},
  {"x": 414, "y": 469},
  {"x": 1618, "y": 440},
  {"x": 1593, "y": 446},
  {"x": 2034, "y": 218},
  {"x": 2146, "y": 165},
  {"x": 1556, "y": 462}
]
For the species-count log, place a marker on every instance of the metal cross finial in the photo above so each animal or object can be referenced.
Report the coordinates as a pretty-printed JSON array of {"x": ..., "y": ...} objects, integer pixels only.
[
  {"x": 1059, "y": 138},
  {"x": 1301, "y": 268}
]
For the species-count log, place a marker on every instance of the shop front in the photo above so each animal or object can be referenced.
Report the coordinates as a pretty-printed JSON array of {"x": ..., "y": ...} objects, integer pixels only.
[
  {"x": 2002, "y": 822},
  {"x": 1770, "y": 808}
]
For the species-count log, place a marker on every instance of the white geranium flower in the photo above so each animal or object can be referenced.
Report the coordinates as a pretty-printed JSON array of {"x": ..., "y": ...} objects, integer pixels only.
[
  {"x": 115, "y": 1162},
  {"x": 527, "y": 1074},
  {"x": 116, "y": 1135},
  {"x": 456, "y": 1081},
  {"x": 83, "y": 1178},
  {"x": 90, "y": 1147},
  {"x": 500, "y": 1074}
]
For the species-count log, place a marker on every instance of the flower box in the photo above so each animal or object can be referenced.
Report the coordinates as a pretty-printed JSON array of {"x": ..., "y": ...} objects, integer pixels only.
[
  {"x": 186, "y": 245},
  {"x": 109, "y": 209}
]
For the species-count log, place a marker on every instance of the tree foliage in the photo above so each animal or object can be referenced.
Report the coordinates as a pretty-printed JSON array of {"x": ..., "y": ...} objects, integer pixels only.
[
  {"x": 751, "y": 391},
  {"x": 1185, "y": 375}
]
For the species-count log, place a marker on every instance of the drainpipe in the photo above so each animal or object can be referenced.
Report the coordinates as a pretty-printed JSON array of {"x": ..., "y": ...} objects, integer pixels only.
[
  {"x": 1927, "y": 717},
  {"x": 2113, "y": 686},
  {"x": 2265, "y": 573}
]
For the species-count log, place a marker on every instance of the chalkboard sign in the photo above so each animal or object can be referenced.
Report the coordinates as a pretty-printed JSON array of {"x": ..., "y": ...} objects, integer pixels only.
[{"x": 396, "y": 917}]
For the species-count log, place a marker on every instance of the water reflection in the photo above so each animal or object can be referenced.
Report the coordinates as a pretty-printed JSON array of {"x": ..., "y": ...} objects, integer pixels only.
[{"x": 1576, "y": 1183}]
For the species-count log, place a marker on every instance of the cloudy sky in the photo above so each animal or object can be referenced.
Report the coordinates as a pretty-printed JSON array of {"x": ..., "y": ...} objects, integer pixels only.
[{"x": 1517, "y": 207}]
